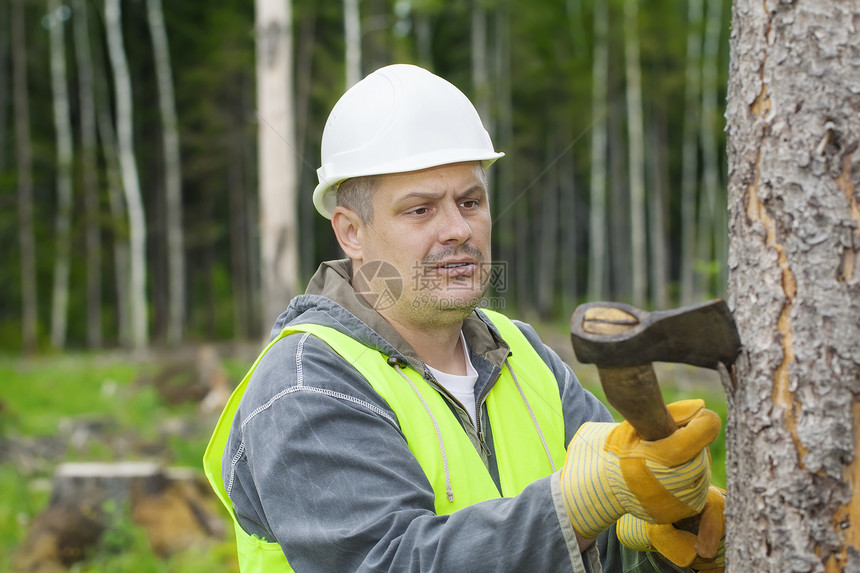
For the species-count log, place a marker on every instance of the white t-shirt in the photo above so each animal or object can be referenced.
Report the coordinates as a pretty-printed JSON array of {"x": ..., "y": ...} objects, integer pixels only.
[{"x": 461, "y": 387}]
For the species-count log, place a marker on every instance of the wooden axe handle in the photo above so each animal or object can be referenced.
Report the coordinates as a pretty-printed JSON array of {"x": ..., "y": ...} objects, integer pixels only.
[{"x": 634, "y": 392}]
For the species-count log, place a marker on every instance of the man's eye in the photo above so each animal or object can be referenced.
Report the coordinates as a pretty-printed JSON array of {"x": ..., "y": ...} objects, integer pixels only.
[
  {"x": 418, "y": 211},
  {"x": 470, "y": 203}
]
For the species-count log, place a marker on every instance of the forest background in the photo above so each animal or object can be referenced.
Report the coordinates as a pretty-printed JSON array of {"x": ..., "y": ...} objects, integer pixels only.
[
  {"x": 610, "y": 115},
  {"x": 613, "y": 187}
]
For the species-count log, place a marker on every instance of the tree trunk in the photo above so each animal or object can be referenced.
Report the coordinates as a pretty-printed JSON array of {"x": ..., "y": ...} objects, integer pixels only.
[
  {"x": 619, "y": 242},
  {"x": 794, "y": 284},
  {"x": 278, "y": 233},
  {"x": 710, "y": 202},
  {"x": 24, "y": 156},
  {"x": 657, "y": 214},
  {"x": 547, "y": 255},
  {"x": 597, "y": 268},
  {"x": 172, "y": 174},
  {"x": 130, "y": 181},
  {"x": 113, "y": 182},
  {"x": 306, "y": 169},
  {"x": 480, "y": 66},
  {"x": 690, "y": 151},
  {"x": 89, "y": 173},
  {"x": 4, "y": 81},
  {"x": 63, "y": 126},
  {"x": 352, "y": 36},
  {"x": 636, "y": 159}
]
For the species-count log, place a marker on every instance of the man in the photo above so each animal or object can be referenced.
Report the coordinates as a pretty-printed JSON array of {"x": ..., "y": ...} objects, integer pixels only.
[{"x": 391, "y": 426}]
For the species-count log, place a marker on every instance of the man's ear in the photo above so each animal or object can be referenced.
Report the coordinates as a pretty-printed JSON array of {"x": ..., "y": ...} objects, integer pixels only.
[{"x": 349, "y": 230}]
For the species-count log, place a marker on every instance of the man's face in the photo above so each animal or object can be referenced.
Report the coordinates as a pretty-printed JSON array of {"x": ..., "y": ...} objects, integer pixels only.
[{"x": 433, "y": 227}]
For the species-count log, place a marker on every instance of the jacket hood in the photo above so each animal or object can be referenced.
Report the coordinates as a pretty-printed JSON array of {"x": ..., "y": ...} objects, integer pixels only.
[{"x": 330, "y": 300}]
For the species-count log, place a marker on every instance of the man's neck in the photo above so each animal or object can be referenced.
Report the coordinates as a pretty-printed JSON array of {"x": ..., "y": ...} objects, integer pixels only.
[{"x": 439, "y": 347}]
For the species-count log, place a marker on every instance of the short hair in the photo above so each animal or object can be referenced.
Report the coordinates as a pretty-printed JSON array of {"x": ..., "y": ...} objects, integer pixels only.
[{"x": 356, "y": 194}]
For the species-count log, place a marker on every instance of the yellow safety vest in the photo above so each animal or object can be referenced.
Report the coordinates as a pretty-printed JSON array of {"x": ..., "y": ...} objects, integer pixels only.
[{"x": 525, "y": 415}]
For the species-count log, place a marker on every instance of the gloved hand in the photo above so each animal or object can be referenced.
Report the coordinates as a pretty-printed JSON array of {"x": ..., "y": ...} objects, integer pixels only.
[
  {"x": 703, "y": 552},
  {"x": 610, "y": 471}
]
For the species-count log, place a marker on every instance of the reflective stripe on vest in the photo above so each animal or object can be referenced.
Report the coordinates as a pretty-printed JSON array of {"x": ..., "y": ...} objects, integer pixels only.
[{"x": 524, "y": 410}]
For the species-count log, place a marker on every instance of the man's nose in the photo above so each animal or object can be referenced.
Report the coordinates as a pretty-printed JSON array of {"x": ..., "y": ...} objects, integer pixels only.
[{"x": 455, "y": 228}]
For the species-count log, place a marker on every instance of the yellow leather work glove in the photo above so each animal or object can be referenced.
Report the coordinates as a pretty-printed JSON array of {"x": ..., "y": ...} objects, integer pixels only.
[
  {"x": 703, "y": 552},
  {"x": 610, "y": 471}
]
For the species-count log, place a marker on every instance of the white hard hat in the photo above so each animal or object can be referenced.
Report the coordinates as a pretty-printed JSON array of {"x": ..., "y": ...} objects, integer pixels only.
[{"x": 399, "y": 118}]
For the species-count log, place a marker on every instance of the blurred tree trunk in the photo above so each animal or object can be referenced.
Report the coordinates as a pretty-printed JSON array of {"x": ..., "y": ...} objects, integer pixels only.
[
  {"x": 547, "y": 254},
  {"x": 63, "y": 130},
  {"x": 24, "y": 156},
  {"x": 4, "y": 80},
  {"x": 113, "y": 180},
  {"x": 130, "y": 181},
  {"x": 597, "y": 267},
  {"x": 352, "y": 36},
  {"x": 278, "y": 233},
  {"x": 690, "y": 152},
  {"x": 480, "y": 64},
  {"x": 305, "y": 165},
  {"x": 794, "y": 414},
  {"x": 657, "y": 211},
  {"x": 506, "y": 169},
  {"x": 636, "y": 159},
  {"x": 619, "y": 242},
  {"x": 711, "y": 199},
  {"x": 172, "y": 174},
  {"x": 89, "y": 173},
  {"x": 236, "y": 186}
]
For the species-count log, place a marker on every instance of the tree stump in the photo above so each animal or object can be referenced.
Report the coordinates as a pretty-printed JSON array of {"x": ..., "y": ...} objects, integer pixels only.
[{"x": 88, "y": 499}]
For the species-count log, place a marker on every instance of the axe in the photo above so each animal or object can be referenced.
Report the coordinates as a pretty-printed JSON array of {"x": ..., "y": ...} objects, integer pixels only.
[{"x": 623, "y": 341}]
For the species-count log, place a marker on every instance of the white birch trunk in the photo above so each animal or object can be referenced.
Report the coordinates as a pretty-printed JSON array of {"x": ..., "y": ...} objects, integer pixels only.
[
  {"x": 277, "y": 165},
  {"x": 130, "y": 180},
  {"x": 24, "y": 158},
  {"x": 89, "y": 172},
  {"x": 636, "y": 159},
  {"x": 793, "y": 135},
  {"x": 352, "y": 35},
  {"x": 63, "y": 221},
  {"x": 597, "y": 267},
  {"x": 690, "y": 151},
  {"x": 172, "y": 174}
]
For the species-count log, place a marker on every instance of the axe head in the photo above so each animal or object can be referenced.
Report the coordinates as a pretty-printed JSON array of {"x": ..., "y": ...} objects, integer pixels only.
[{"x": 615, "y": 334}]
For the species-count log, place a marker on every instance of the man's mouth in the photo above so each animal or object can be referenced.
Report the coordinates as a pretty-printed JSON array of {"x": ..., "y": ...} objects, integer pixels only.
[{"x": 456, "y": 268}]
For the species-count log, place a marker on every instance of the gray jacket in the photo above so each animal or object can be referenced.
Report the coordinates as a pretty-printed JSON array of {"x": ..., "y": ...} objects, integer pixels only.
[{"x": 316, "y": 461}]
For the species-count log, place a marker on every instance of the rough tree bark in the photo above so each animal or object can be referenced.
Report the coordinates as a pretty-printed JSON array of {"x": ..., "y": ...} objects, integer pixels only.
[
  {"x": 277, "y": 166},
  {"x": 794, "y": 413}
]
